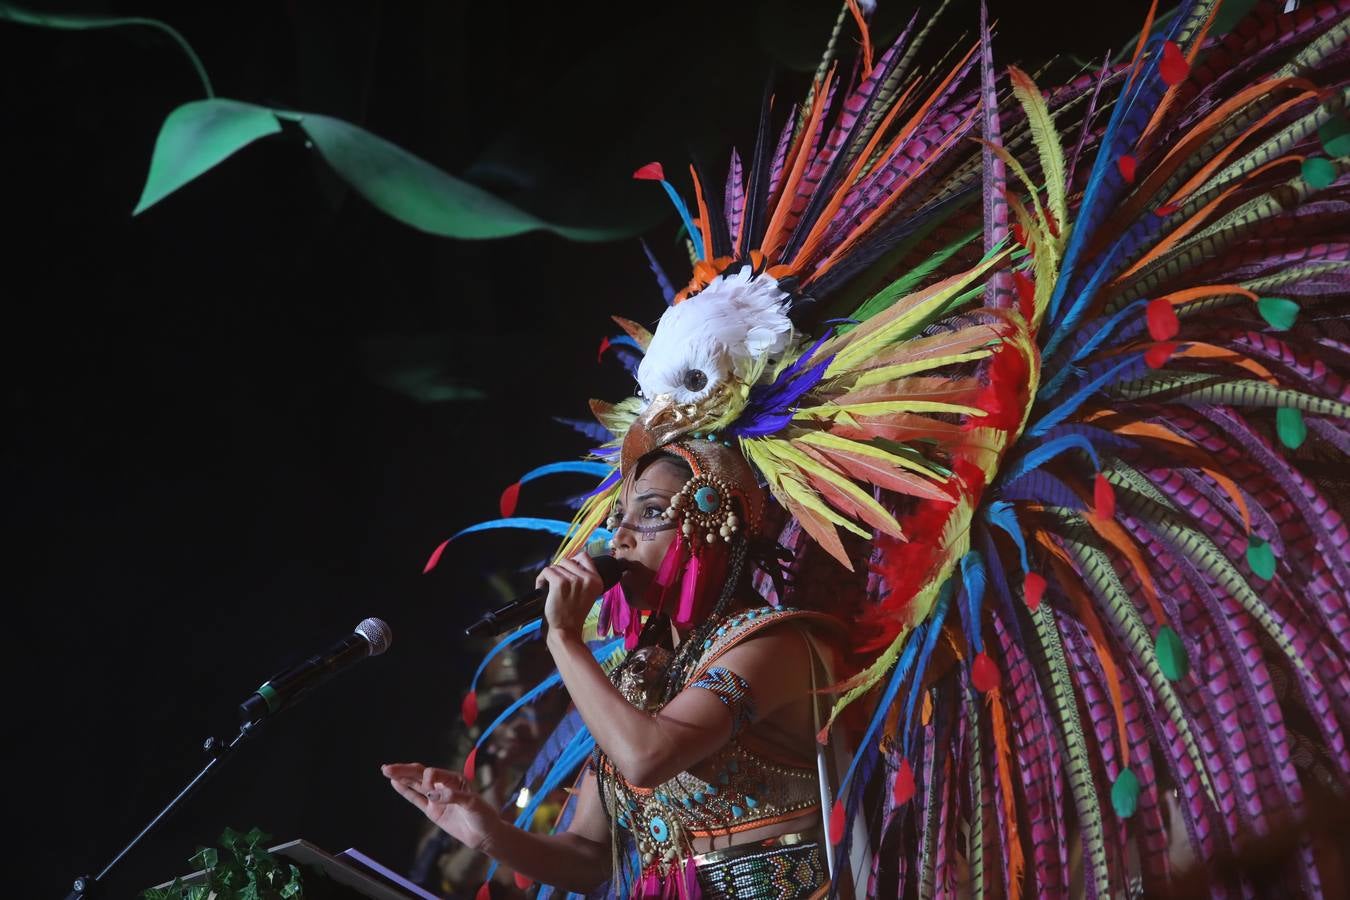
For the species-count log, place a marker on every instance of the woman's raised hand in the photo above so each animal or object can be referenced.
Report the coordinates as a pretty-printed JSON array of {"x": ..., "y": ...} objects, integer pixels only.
[
  {"x": 573, "y": 587},
  {"x": 448, "y": 800}
]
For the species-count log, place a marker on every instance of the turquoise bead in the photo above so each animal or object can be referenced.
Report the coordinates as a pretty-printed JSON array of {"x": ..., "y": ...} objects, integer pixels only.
[
  {"x": 751, "y": 801},
  {"x": 658, "y": 828},
  {"x": 707, "y": 499},
  {"x": 737, "y": 812},
  {"x": 698, "y": 797}
]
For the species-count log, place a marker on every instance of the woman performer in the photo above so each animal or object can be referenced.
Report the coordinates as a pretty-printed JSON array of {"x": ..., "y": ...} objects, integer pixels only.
[{"x": 705, "y": 756}]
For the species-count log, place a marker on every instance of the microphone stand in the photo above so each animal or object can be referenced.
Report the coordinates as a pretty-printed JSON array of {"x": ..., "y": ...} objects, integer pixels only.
[{"x": 86, "y": 887}]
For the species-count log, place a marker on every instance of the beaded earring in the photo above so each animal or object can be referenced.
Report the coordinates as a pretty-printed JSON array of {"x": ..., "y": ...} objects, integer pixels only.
[{"x": 704, "y": 509}]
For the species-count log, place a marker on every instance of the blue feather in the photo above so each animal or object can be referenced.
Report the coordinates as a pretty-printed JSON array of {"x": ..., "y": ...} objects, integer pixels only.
[
  {"x": 1047, "y": 451},
  {"x": 523, "y": 633},
  {"x": 902, "y": 667},
  {"x": 592, "y": 430},
  {"x": 695, "y": 236},
  {"x": 598, "y": 469},
  {"x": 934, "y": 623},
  {"x": 1131, "y": 362},
  {"x": 1084, "y": 348},
  {"x": 1042, "y": 487},
  {"x": 974, "y": 578},
  {"x": 663, "y": 282},
  {"x": 1002, "y": 514},
  {"x": 999, "y": 579}
]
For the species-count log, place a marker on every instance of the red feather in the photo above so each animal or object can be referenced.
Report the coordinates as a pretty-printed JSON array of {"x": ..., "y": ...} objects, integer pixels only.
[
  {"x": 468, "y": 710},
  {"x": 1157, "y": 356},
  {"x": 471, "y": 764},
  {"x": 435, "y": 556},
  {"x": 1103, "y": 498},
  {"x": 1166, "y": 209},
  {"x": 1127, "y": 164},
  {"x": 1162, "y": 320},
  {"x": 508, "y": 501},
  {"x": 604, "y": 345},
  {"x": 837, "y": 822},
  {"x": 1173, "y": 66},
  {"x": 984, "y": 673},
  {"x": 522, "y": 882},
  {"x": 484, "y": 892},
  {"x": 903, "y": 790},
  {"x": 1034, "y": 589},
  {"x": 650, "y": 172}
]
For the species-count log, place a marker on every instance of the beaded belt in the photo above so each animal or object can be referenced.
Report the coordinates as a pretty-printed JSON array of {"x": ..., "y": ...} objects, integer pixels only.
[{"x": 790, "y": 865}]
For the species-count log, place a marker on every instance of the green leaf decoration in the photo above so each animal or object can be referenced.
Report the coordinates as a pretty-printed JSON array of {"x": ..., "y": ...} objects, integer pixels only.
[
  {"x": 198, "y": 136},
  {"x": 1335, "y": 136},
  {"x": 83, "y": 22},
  {"x": 1261, "y": 557},
  {"x": 1278, "y": 312},
  {"x": 1125, "y": 794},
  {"x": 1319, "y": 172},
  {"x": 1172, "y": 658},
  {"x": 419, "y": 194},
  {"x": 1291, "y": 428}
]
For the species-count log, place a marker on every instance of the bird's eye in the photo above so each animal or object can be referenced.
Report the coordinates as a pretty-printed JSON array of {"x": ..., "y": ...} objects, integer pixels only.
[{"x": 695, "y": 380}]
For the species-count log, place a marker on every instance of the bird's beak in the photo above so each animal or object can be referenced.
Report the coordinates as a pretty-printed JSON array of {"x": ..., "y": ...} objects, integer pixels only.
[{"x": 661, "y": 422}]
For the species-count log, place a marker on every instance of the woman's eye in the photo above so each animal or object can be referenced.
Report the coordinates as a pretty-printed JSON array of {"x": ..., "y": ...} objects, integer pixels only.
[
  {"x": 652, "y": 512},
  {"x": 695, "y": 380}
]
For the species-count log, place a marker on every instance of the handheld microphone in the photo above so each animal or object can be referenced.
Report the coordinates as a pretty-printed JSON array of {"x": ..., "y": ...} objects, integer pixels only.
[
  {"x": 371, "y": 638},
  {"x": 531, "y": 605}
]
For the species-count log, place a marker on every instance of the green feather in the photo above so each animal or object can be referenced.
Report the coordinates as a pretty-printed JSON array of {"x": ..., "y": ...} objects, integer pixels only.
[
  {"x": 1140, "y": 499},
  {"x": 1289, "y": 424},
  {"x": 1261, "y": 557},
  {"x": 1319, "y": 172},
  {"x": 1171, "y": 654},
  {"x": 975, "y": 763},
  {"x": 1078, "y": 769},
  {"x": 1335, "y": 135},
  {"x": 1278, "y": 311},
  {"x": 1125, "y": 794}
]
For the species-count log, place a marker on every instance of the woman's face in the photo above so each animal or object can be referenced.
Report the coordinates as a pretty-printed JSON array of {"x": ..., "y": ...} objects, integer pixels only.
[{"x": 642, "y": 536}]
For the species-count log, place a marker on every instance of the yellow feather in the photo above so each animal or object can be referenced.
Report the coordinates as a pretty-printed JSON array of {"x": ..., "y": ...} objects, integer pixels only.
[
  {"x": 834, "y": 442},
  {"x": 1045, "y": 137}
]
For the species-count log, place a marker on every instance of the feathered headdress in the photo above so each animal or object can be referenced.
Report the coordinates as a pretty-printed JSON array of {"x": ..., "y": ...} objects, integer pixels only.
[{"x": 1051, "y": 404}]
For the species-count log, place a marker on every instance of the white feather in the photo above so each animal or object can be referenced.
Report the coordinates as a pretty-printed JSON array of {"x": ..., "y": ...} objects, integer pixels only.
[{"x": 721, "y": 331}]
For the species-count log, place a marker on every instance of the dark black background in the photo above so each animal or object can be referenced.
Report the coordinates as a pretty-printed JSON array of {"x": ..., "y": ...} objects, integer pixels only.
[{"x": 208, "y": 473}]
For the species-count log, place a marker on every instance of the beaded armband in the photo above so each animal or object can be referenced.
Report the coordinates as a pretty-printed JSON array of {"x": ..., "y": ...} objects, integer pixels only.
[{"x": 733, "y": 691}]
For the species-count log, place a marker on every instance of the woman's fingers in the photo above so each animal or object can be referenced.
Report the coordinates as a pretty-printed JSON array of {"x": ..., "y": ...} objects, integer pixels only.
[
  {"x": 403, "y": 770},
  {"x": 413, "y": 796},
  {"x": 445, "y": 794}
]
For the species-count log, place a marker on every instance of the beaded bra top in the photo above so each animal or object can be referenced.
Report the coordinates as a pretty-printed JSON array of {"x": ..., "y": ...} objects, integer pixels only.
[{"x": 746, "y": 784}]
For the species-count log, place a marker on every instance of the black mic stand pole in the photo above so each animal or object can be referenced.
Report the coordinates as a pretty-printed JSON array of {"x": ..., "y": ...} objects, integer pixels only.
[{"x": 87, "y": 887}]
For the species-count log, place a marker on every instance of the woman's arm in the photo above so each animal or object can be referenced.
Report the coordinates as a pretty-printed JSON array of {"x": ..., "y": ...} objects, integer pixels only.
[
  {"x": 576, "y": 860},
  {"x": 649, "y": 750}
]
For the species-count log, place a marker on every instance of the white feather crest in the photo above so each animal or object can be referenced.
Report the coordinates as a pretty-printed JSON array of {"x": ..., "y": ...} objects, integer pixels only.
[{"x": 722, "y": 331}]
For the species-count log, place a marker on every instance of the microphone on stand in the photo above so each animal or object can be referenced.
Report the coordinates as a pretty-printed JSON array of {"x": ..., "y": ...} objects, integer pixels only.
[
  {"x": 531, "y": 606},
  {"x": 371, "y": 638}
]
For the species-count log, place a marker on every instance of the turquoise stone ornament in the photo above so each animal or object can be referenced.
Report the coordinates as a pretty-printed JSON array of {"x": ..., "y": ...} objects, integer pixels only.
[
  {"x": 659, "y": 829},
  {"x": 707, "y": 499}
]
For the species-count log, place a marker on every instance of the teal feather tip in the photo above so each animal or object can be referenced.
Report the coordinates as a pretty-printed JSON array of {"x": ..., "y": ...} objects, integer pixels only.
[
  {"x": 1125, "y": 794},
  {"x": 1291, "y": 428},
  {"x": 1261, "y": 557},
  {"x": 1319, "y": 172},
  {"x": 1171, "y": 653},
  {"x": 1279, "y": 312},
  {"x": 1335, "y": 136}
]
